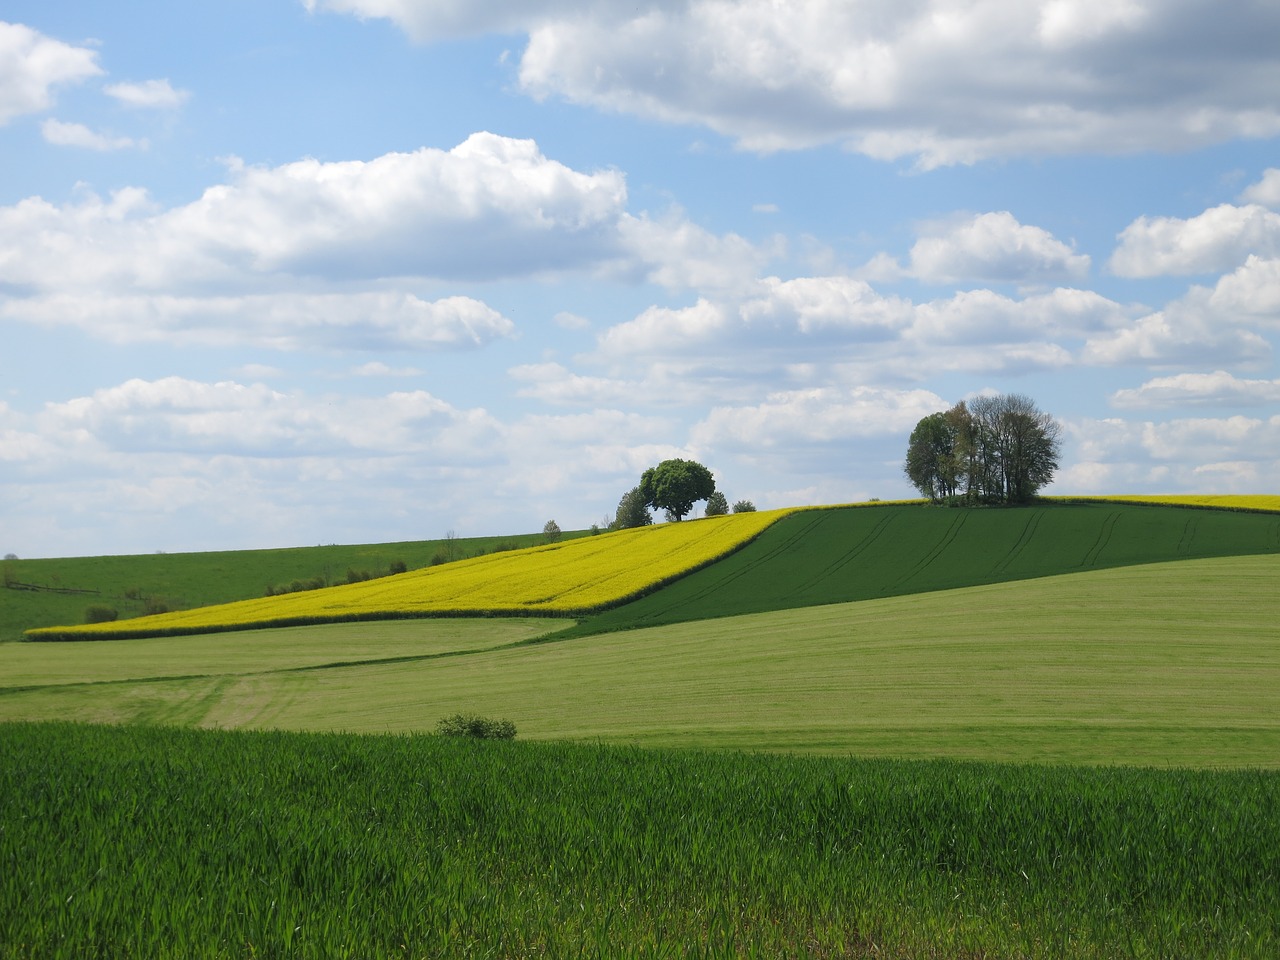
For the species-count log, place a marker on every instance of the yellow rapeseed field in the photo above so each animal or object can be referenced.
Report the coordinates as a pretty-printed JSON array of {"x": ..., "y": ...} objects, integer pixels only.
[
  {"x": 571, "y": 578},
  {"x": 1267, "y": 501}
]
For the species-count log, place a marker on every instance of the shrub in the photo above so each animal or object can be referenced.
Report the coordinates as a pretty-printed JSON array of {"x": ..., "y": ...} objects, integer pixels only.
[
  {"x": 100, "y": 613},
  {"x": 478, "y": 728},
  {"x": 398, "y": 566},
  {"x": 744, "y": 506}
]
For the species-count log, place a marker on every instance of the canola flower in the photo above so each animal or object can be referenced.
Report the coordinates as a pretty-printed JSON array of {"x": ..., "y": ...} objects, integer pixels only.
[
  {"x": 571, "y": 578},
  {"x": 1268, "y": 502}
]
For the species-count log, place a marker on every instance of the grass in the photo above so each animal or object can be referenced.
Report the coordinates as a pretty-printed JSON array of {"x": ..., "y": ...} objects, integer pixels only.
[
  {"x": 1173, "y": 664},
  {"x": 322, "y": 846},
  {"x": 181, "y": 581},
  {"x": 835, "y": 556}
]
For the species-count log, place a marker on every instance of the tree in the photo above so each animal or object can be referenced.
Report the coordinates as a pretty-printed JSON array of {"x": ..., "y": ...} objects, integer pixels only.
[
  {"x": 931, "y": 461},
  {"x": 675, "y": 486},
  {"x": 717, "y": 505},
  {"x": 744, "y": 506},
  {"x": 551, "y": 531},
  {"x": 999, "y": 449},
  {"x": 632, "y": 511}
]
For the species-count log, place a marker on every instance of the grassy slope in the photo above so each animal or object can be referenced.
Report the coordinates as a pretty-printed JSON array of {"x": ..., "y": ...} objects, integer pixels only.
[
  {"x": 1163, "y": 664},
  {"x": 834, "y": 556},
  {"x": 185, "y": 580}
]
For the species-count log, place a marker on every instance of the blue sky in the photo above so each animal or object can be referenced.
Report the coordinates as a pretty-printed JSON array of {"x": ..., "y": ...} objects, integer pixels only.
[{"x": 276, "y": 272}]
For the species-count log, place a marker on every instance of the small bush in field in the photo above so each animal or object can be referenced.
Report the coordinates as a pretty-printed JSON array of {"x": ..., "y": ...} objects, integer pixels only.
[
  {"x": 100, "y": 613},
  {"x": 398, "y": 566},
  {"x": 478, "y": 728}
]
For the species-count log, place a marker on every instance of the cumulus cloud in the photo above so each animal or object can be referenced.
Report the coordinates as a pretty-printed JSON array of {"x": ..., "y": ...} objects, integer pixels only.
[
  {"x": 488, "y": 208},
  {"x": 1266, "y": 191},
  {"x": 282, "y": 321},
  {"x": 824, "y": 415},
  {"x": 781, "y": 323},
  {"x": 1200, "y": 389},
  {"x": 148, "y": 94},
  {"x": 78, "y": 135},
  {"x": 1224, "y": 455},
  {"x": 181, "y": 416},
  {"x": 1212, "y": 242},
  {"x": 941, "y": 81},
  {"x": 993, "y": 247},
  {"x": 32, "y": 66}
]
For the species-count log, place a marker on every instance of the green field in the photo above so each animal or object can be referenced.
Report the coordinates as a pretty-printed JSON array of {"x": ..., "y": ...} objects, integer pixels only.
[
  {"x": 65, "y": 587},
  {"x": 1163, "y": 664},
  {"x": 175, "y": 844},
  {"x": 1066, "y": 721},
  {"x": 835, "y": 556}
]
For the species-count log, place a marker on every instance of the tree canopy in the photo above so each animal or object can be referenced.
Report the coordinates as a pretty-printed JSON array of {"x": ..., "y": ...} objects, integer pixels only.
[
  {"x": 995, "y": 449},
  {"x": 632, "y": 511},
  {"x": 675, "y": 486}
]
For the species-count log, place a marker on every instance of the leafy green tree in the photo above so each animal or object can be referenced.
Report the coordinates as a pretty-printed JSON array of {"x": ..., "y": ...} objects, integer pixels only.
[
  {"x": 717, "y": 505},
  {"x": 744, "y": 506},
  {"x": 931, "y": 462},
  {"x": 551, "y": 531},
  {"x": 675, "y": 486},
  {"x": 997, "y": 449},
  {"x": 632, "y": 511}
]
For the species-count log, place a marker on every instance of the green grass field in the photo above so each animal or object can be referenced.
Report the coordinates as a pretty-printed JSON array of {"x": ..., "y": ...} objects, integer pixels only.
[
  {"x": 164, "y": 843},
  {"x": 1163, "y": 664}
]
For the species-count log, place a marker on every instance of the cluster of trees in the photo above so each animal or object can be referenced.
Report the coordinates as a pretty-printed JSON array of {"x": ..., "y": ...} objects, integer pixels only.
[
  {"x": 993, "y": 449},
  {"x": 673, "y": 486}
]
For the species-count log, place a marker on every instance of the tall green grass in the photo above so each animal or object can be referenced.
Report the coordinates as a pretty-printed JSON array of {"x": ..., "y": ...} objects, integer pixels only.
[
  {"x": 840, "y": 555},
  {"x": 185, "y": 844}
]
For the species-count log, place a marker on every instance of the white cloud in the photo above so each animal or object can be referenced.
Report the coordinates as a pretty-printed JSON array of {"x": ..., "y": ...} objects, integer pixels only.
[
  {"x": 33, "y": 65},
  {"x": 1266, "y": 191},
  {"x": 1201, "y": 389},
  {"x": 78, "y": 135},
  {"x": 944, "y": 81},
  {"x": 148, "y": 94},
  {"x": 993, "y": 247},
  {"x": 819, "y": 416},
  {"x": 491, "y": 207},
  {"x": 1217, "y": 240},
  {"x": 1219, "y": 455},
  {"x": 282, "y": 321},
  {"x": 680, "y": 255},
  {"x": 1180, "y": 335}
]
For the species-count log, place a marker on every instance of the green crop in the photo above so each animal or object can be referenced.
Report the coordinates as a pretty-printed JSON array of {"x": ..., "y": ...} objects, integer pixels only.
[
  {"x": 834, "y": 556},
  {"x": 194, "y": 844}
]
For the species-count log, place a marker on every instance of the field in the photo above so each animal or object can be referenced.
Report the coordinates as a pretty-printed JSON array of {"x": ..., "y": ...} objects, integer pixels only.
[
  {"x": 834, "y": 556},
  {"x": 324, "y": 846},
  {"x": 1048, "y": 763},
  {"x": 59, "y": 590},
  {"x": 1164, "y": 664},
  {"x": 558, "y": 579}
]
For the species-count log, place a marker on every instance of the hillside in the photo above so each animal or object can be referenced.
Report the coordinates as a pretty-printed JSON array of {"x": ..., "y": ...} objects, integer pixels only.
[
  {"x": 1158, "y": 664},
  {"x": 835, "y": 556},
  {"x": 45, "y": 592}
]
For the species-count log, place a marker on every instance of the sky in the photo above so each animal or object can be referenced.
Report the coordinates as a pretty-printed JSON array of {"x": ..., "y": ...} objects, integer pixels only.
[{"x": 292, "y": 272}]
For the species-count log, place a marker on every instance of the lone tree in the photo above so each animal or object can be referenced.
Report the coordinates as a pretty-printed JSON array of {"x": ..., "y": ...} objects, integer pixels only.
[
  {"x": 675, "y": 486},
  {"x": 997, "y": 449},
  {"x": 717, "y": 505}
]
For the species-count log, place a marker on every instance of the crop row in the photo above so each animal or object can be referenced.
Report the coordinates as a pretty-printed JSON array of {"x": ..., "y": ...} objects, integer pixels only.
[
  {"x": 568, "y": 578},
  {"x": 201, "y": 844}
]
